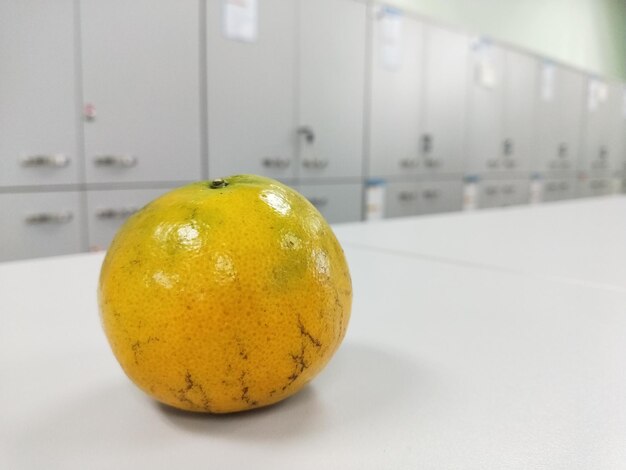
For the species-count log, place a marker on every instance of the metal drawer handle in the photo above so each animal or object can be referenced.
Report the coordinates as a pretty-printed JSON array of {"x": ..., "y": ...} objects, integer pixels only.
[
  {"x": 507, "y": 147},
  {"x": 318, "y": 201},
  {"x": 54, "y": 161},
  {"x": 125, "y": 161},
  {"x": 407, "y": 196},
  {"x": 111, "y": 213},
  {"x": 49, "y": 218},
  {"x": 491, "y": 190},
  {"x": 431, "y": 162},
  {"x": 427, "y": 143},
  {"x": 315, "y": 163},
  {"x": 276, "y": 162},
  {"x": 430, "y": 194},
  {"x": 308, "y": 133},
  {"x": 409, "y": 163},
  {"x": 603, "y": 152}
]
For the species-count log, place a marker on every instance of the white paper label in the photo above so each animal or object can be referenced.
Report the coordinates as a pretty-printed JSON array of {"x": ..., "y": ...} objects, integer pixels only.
[
  {"x": 486, "y": 75},
  {"x": 239, "y": 19},
  {"x": 375, "y": 200},
  {"x": 547, "y": 82},
  {"x": 390, "y": 39},
  {"x": 470, "y": 192},
  {"x": 536, "y": 191}
]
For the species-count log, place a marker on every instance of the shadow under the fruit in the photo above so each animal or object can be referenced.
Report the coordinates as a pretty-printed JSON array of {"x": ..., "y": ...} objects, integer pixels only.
[{"x": 361, "y": 384}]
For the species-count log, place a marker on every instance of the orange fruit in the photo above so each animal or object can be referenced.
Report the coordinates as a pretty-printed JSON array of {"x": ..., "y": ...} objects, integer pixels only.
[{"x": 225, "y": 295}]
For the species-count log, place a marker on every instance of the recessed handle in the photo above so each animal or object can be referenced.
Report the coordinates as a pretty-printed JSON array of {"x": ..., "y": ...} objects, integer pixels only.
[
  {"x": 493, "y": 163},
  {"x": 115, "y": 213},
  {"x": 315, "y": 163},
  {"x": 427, "y": 143},
  {"x": 123, "y": 161},
  {"x": 507, "y": 147},
  {"x": 491, "y": 190},
  {"x": 318, "y": 201},
  {"x": 552, "y": 186},
  {"x": 409, "y": 163},
  {"x": 430, "y": 194},
  {"x": 55, "y": 218},
  {"x": 308, "y": 133},
  {"x": 50, "y": 161},
  {"x": 431, "y": 162},
  {"x": 406, "y": 196},
  {"x": 276, "y": 162},
  {"x": 562, "y": 150}
]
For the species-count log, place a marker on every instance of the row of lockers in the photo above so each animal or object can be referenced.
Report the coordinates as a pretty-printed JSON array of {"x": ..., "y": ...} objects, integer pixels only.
[
  {"x": 53, "y": 223},
  {"x": 326, "y": 89}
]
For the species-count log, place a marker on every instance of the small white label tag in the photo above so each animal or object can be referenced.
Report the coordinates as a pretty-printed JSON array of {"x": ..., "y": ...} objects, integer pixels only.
[
  {"x": 390, "y": 38},
  {"x": 240, "y": 19},
  {"x": 470, "y": 196},
  {"x": 375, "y": 200}
]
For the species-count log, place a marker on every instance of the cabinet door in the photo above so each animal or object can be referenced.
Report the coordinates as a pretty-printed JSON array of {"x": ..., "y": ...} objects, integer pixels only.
[
  {"x": 337, "y": 202},
  {"x": 38, "y": 93},
  {"x": 251, "y": 93},
  {"x": 331, "y": 87},
  {"x": 440, "y": 196},
  {"x": 395, "y": 127},
  {"x": 484, "y": 123},
  {"x": 519, "y": 110},
  {"x": 39, "y": 224},
  {"x": 595, "y": 151},
  {"x": 446, "y": 70},
  {"x": 141, "y": 78},
  {"x": 559, "y": 101},
  {"x": 617, "y": 127},
  {"x": 107, "y": 211},
  {"x": 402, "y": 199}
]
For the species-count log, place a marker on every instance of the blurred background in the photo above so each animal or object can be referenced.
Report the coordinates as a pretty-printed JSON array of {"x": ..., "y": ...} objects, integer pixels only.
[{"x": 372, "y": 110}]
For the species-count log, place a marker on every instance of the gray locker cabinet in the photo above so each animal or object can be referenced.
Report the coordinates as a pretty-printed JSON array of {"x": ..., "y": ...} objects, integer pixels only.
[
  {"x": 559, "y": 189},
  {"x": 395, "y": 125},
  {"x": 331, "y": 76},
  {"x": 141, "y": 75},
  {"x": 486, "y": 108},
  {"x": 337, "y": 202},
  {"x": 107, "y": 210},
  {"x": 445, "y": 100},
  {"x": 520, "y": 84},
  {"x": 617, "y": 127},
  {"x": 440, "y": 196},
  {"x": 402, "y": 199},
  {"x": 40, "y": 224},
  {"x": 251, "y": 94},
  {"x": 596, "y": 151},
  {"x": 38, "y": 93},
  {"x": 559, "y": 119}
]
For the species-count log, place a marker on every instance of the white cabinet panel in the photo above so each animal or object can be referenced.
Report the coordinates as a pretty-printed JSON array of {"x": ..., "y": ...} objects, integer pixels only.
[
  {"x": 486, "y": 108},
  {"x": 445, "y": 96},
  {"x": 520, "y": 85},
  {"x": 39, "y": 224},
  {"x": 251, "y": 94},
  {"x": 331, "y": 87},
  {"x": 395, "y": 127},
  {"x": 108, "y": 209},
  {"x": 560, "y": 100},
  {"x": 38, "y": 122},
  {"x": 141, "y": 73},
  {"x": 337, "y": 202}
]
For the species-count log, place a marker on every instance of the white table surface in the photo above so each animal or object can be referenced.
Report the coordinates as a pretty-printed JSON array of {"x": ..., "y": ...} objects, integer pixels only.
[
  {"x": 444, "y": 366},
  {"x": 579, "y": 241}
]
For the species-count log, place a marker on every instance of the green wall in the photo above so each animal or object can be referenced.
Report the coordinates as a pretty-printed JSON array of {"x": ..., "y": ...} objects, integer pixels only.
[{"x": 590, "y": 34}]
